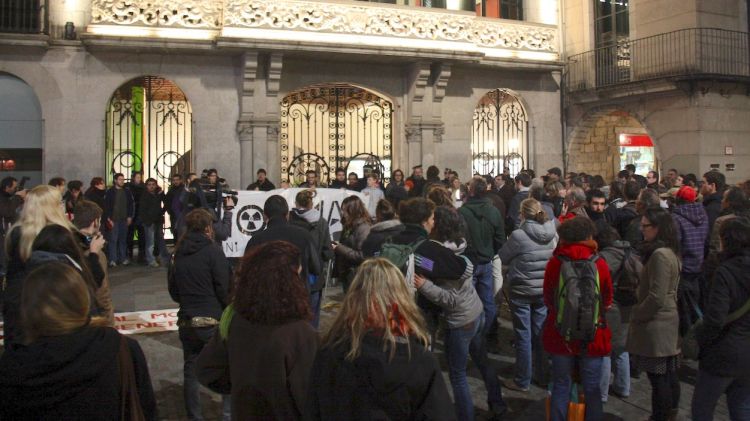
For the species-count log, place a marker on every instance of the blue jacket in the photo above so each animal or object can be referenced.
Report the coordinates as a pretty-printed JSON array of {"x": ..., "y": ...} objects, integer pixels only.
[{"x": 109, "y": 203}]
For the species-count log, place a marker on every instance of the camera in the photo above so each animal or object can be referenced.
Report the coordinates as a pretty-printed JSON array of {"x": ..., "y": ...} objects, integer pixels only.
[{"x": 213, "y": 190}]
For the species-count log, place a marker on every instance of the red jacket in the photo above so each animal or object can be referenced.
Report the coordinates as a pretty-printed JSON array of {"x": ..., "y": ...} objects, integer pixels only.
[{"x": 553, "y": 342}]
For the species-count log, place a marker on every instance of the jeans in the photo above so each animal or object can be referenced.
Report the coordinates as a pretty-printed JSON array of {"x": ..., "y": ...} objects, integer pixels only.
[
  {"x": 460, "y": 343},
  {"x": 590, "y": 369},
  {"x": 665, "y": 394},
  {"x": 193, "y": 340},
  {"x": 118, "y": 242},
  {"x": 621, "y": 370},
  {"x": 316, "y": 297},
  {"x": 132, "y": 230},
  {"x": 153, "y": 235},
  {"x": 484, "y": 283},
  {"x": 708, "y": 390},
  {"x": 528, "y": 319}
]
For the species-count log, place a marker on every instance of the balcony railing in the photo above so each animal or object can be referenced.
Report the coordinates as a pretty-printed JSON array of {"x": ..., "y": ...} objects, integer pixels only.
[
  {"x": 691, "y": 53},
  {"x": 23, "y": 16},
  {"x": 347, "y": 23}
]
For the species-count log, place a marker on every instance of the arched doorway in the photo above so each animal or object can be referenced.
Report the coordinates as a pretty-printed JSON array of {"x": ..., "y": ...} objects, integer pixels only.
[
  {"x": 21, "y": 129},
  {"x": 149, "y": 128},
  {"x": 607, "y": 139},
  {"x": 499, "y": 134},
  {"x": 324, "y": 127}
]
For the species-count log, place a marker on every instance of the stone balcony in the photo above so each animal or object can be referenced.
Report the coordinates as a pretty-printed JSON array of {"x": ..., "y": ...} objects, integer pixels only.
[{"x": 342, "y": 26}]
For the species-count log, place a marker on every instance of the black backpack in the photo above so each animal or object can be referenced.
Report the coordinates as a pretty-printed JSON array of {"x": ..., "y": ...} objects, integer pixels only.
[
  {"x": 627, "y": 278},
  {"x": 578, "y": 299}
]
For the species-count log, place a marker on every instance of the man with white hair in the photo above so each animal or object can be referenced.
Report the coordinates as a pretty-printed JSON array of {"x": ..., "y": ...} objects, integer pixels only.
[{"x": 574, "y": 205}]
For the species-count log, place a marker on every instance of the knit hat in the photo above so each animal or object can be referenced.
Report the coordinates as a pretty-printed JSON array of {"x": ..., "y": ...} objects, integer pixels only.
[{"x": 687, "y": 194}]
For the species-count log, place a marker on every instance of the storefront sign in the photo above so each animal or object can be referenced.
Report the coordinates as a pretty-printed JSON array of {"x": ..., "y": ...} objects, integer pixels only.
[{"x": 635, "y": 140}]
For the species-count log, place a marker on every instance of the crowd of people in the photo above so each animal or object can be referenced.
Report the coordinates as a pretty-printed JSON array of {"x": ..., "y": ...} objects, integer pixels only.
[{"x": 603, "y": 282}]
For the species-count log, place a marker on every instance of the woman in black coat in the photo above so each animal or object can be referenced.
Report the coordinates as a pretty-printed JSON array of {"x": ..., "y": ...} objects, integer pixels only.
[
  {"x": 724, "y": 364},
  {"x": 69, "y": 364},
  {"x": 199, "y": 282}
]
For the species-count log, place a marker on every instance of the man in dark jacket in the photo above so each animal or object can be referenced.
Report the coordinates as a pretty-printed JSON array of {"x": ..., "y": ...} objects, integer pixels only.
[
  {"x": 262, "y": 182},
  {"x": 11, "y": 200},
  {"x": 724, "y": 366},
  {"x": 119, "y": 210},
  {"x": 305, "y": 216},
  {"x": 175, "y": 201},
  {"x": 340, "y": 181},
  {"x": 621, "y": 218},
  {"x": 486, "y": 236},
  {"x": 692, "y": 232},
  {"x": 137, "y": 187},
  {"x": 523, "y": 185},
  {"x": 151, "y": 218},
  {"x": 417, "y": 180},
  {"x": 712, "y": 189},
  {"x": 278, "y": 228}
]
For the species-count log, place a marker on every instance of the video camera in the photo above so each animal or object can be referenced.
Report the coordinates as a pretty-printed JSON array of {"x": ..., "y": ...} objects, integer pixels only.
[{"x": 210, "y": 189}]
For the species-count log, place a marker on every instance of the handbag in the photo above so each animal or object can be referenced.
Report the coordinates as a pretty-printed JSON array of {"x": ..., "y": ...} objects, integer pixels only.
[
  {"x": 576, "y": 406},
  {"x": 130, "y": 402},
  {"x": 690, "y": 345}
]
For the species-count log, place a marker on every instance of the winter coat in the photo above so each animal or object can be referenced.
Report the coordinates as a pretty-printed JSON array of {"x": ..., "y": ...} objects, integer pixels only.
[
  {"x": 723, "y": 349},
  {"x": 692, "y": 233},
  {"x": 269, "y": 377},
  {"x": 458, "y": 299},
  {"x": 526, "y": 254},
  {"x": 109, "y": 203},
  {"x": 654, "y": 321},
  {"x": 618, "y": 316},
  {"x": 350, "y": 248},
  {"x": 16, "y": 272},
  {"x": 551, "y": 338},
  {"x": 150, "y": 209},
  {"x": 373, "y": 386},
  {"x": 279, "y": 229},
  {"x": 311, "y": 221},
  {"x": 97, "y": 196},
  {"x": 514, "y": 211},
  {"x": 621, "y": 219},
  {"x": 336, "y": 184},
  {"x": 9, "y": 206},
  {"x": 712, "y": 204},
  {"x": 71, "y": 377},
  {"x": 379, "y": 234},
  {"x": 485, "y": 229},
  {"x": 200, "y": 283},
  {"x": 507, "y": 192}
]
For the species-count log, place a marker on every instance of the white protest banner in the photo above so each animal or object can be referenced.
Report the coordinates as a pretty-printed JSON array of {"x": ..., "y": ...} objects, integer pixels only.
[{"x": 248, "y": 213}]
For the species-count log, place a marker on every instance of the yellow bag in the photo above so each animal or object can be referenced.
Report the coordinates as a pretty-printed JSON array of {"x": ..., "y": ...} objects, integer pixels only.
[{"x": 576, "y": 406}]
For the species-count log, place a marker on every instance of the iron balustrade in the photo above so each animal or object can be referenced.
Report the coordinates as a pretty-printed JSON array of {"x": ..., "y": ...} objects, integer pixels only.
[
  {"x": 24, "y": 16},
  {"x": 690, "y": 53}
]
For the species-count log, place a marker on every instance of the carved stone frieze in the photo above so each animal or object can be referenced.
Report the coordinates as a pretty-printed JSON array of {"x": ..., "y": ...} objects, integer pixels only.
[
  {"x": 396, "y": 22},
  {"x": 203, "y": 14}
]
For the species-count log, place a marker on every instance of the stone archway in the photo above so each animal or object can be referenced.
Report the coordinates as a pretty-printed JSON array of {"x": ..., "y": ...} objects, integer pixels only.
[
  {"x": 21, "y": 131},
  {"x": 594, "y": 145}
]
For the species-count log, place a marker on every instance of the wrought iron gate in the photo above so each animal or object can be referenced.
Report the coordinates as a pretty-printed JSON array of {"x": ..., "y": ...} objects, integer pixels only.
[
  {"x": 324, "y": 127},
  {"x": 499, "y": 136},
  {"x": 149, "y": 128}
]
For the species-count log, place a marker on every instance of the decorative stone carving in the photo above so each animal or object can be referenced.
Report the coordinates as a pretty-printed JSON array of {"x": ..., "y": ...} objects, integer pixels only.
[
  {"x": 413, "y": 134},
  {"x": 203, "y": 14},
  {"x": 384, "y": 21},
  {"x": 273, "y": 81},
  {"x": 443, "y": 73},
  {"x": 421, "y": 73}
]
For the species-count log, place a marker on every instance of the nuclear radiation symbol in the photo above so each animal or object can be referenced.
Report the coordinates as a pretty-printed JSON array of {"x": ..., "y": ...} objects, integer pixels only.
[{"x": 250, "y": 220}]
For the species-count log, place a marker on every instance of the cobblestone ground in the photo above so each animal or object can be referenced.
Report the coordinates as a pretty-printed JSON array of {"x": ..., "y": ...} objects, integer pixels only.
[{"x": 140, "y": 288}]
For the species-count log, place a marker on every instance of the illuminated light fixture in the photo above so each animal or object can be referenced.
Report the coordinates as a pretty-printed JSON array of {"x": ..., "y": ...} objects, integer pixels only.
[
  {"x": 380, "y": 41},
  {"x": 513, "y": 144},
  {"x": 145, "y": 32}
]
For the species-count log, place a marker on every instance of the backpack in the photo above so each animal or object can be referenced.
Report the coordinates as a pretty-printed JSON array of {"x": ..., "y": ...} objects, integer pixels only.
[
  {"x": 627, "y": 278},
  {"x": 402, "y": 256},
  {"x": 578, "y": 299}
]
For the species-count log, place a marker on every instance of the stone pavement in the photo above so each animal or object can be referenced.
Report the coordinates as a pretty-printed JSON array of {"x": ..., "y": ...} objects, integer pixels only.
[{"x": 136, "y": 288}]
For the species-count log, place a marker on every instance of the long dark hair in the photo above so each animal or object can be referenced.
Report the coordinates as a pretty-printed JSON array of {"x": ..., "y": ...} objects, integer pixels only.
[
  {"x": 268, "y": 287},
  {"x": 353, "y": 212},
  {"x": 666, "y": 235},
  {"x": 735, "y": 237},
  {"x": 449, "y": 226}
]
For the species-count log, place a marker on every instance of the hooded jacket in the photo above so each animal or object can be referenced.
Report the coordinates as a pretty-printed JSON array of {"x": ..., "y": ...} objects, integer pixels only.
[
  {"x": 723, "y": 348},
  {"x": 74, "y": 376},
  {"x": 311, "y": 221},
  {"x": 692, "y": 233},
  {"x": 379, "y": 234},
  {"x": 201, "y": 277},
  {"x": 712, "y": 204},
  {"x": 485, "y": 229},
  {"x": 374, "y": 387},
  {"x": 553, "y": 341},
  {"x": 526, "y": 254}
]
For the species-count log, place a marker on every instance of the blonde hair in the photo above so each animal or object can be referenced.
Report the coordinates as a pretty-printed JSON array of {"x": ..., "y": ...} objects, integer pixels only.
[
  {"x": 377, "y": 286},
  {"x": 42, "y": 207},
  {"x": 532, "y": 210},
  {"x": 55, "y": 301}
]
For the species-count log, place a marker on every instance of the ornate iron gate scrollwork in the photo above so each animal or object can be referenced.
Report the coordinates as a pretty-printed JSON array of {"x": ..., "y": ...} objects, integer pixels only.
[
  {"x": 499, "y": 136},
  {"x": 324, "y": 127},
  {"x": 149, "y": 128}
]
